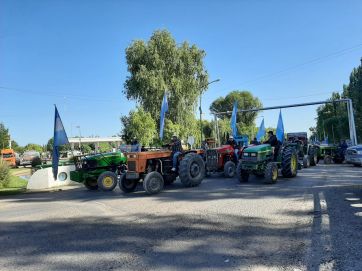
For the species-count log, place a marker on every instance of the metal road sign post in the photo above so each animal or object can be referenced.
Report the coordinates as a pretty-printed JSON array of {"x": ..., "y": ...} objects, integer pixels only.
[{"x": 352, "y": 126}]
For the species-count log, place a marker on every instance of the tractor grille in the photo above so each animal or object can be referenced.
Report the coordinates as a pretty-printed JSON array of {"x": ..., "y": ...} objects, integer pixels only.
[
  {"x": 131, "y": 165},
  {"x": 211, "y": 159},
  {"x": 250, "y": 158}
]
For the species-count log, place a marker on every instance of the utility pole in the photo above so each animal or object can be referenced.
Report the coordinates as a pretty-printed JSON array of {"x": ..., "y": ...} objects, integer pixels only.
[{"x": 201, "y": 128}]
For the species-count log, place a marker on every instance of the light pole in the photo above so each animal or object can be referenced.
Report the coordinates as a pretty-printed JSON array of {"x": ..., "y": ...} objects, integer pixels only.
[
  {"x": 201, "y": 130},
  {"x": 80, "y": 140}
]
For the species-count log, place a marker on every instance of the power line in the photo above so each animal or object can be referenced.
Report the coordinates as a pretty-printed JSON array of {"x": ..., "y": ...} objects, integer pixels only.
[{"x": 312, "y": 61}]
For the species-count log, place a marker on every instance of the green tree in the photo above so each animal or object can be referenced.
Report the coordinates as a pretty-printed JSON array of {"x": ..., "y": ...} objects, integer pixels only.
[
  {"x": 33, "y": 147},
  {"x": 245, "y": 100},
  {"x": 104, "y": 147},
  {"x": 354, "y": 91},
  {"x": 49, "y": 146},
  {"x": 15, "y": 146},
  {"x": 4, "y": 136},
  {"x": 160, "y": 65},
  {"x": 87, "y": 148},
  {"x": 332, "y": 120},
  {"x": 139, "y": 124}
]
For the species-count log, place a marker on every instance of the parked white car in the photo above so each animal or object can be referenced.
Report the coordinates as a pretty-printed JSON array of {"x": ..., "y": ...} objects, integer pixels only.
[{"x": 354, "y": 155}]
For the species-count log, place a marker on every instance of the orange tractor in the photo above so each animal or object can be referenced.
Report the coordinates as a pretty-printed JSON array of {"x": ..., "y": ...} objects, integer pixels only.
[
  {"x": 154, "y": 168},
  {"x": 225, "y": 158}
]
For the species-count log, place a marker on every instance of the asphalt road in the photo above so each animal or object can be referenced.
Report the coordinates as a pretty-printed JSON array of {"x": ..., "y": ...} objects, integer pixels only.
[{"x": 312, "y": 222}]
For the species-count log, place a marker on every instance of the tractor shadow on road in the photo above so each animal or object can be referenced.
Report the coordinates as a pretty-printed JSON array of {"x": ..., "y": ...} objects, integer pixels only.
[
  {"x": 149, "y": 241},
  {"x": 216, "y": 188}
]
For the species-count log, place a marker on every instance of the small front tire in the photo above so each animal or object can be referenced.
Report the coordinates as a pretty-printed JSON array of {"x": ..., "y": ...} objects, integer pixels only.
[
  {"x": 243, "y": 175},
  {"x": 153, "y": 183},
  {"x": 271, "y": 173},
  {"x": 306, "y": 161},
  {"x": 229, "y": 169},
  {"x": 127, "y": 185},
  {"x": 107, "y": 181},
  {"x": 91, "y": 184}
]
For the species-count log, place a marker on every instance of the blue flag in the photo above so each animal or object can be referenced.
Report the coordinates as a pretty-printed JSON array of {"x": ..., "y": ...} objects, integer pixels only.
[
  {"x": 60, "y": 138},
  {"x": 261, "y": 131},
  {"x": 234, "y": 129},
  {"x": 164, "y": 109},
  {"x": 280, "y": 128}
]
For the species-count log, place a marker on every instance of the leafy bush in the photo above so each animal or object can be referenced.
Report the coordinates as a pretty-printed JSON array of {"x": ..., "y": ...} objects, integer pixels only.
[{"x": 4, "y": 173}]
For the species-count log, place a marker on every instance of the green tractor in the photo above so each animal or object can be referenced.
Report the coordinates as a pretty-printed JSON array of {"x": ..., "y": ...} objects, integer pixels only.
[
  {"x": 330, "y": 153},
  {"x": 99, "y": 170},
  {"x": 307, "y": 153},
  {"x": 260, "y": 160}
]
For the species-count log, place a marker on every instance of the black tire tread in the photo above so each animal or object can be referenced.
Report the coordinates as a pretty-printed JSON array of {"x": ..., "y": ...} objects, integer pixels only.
[
  {"x": 184, "y": 170},
  {"x": 227, "y": 165},
  {"x": 288, "y": 152},
  {"x": 124, "y": 188}
]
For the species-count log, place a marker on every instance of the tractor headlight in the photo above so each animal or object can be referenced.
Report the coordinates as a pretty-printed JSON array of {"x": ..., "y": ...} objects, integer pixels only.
[
  {"x": 246, "y": 154},
  {"x": 359, "y": 152},
  {"x": 253, "y": 154}
]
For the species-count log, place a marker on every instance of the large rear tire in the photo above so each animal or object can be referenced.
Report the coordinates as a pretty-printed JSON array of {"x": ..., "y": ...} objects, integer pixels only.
[
  {"x": 271, "y": 173},
  {"x": 127, "y": 185},
  {"x": 243, "y": 175},
  {"x": 229, "y": 169},
  {"x": 107, "y": 181},
  {"x": 153, "y": 183},
  {"x": 289, "y": 162},
  {"x": 192, "y": 170}
]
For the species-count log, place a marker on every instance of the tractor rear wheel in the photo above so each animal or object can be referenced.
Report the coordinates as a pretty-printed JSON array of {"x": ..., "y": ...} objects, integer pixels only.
[
  {"x": 289, "y": 162},
  {"x": 229, "y": 169},
  {"x": 107, "y": 181},
  {"x": 153, "y": 183},
  {"x": 271, "y": 173},
  {"x": 91, "y": 184},
  {"x": 192, "y": 170},
  {"x": 306, "y": 161},
  {"x": 243, "y": 175},
  {"x": 127, "y": 185}
]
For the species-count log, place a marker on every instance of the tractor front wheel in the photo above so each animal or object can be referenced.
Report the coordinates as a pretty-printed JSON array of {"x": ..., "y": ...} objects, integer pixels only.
[
  {"x": 153, "y": 183},
  {"x": 192, "y": 170},
  {"x": 306, "y": 161},
  {"x": 107, "y": 181},
  {"x": 229, "y": 169},
  {"x": 271, "y": 173},
  {"x": 91, "y": 184},
  {"x": 243, "y": 175},
  {"x": 127, "y": 185},
  {"x": 327, "y": 159}
]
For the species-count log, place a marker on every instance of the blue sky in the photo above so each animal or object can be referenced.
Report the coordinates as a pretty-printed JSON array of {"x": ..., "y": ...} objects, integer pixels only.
[{"x": 72, "y": 53}]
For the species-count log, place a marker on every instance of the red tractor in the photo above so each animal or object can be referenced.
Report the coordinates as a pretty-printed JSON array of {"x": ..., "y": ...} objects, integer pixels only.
[{"x": 225, "y": 158}]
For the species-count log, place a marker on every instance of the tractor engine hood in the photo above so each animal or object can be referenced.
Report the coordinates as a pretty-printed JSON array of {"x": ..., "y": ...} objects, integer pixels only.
[
  {"x": 225, "y": 149},
  {"x": 258, "y": 148}
]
